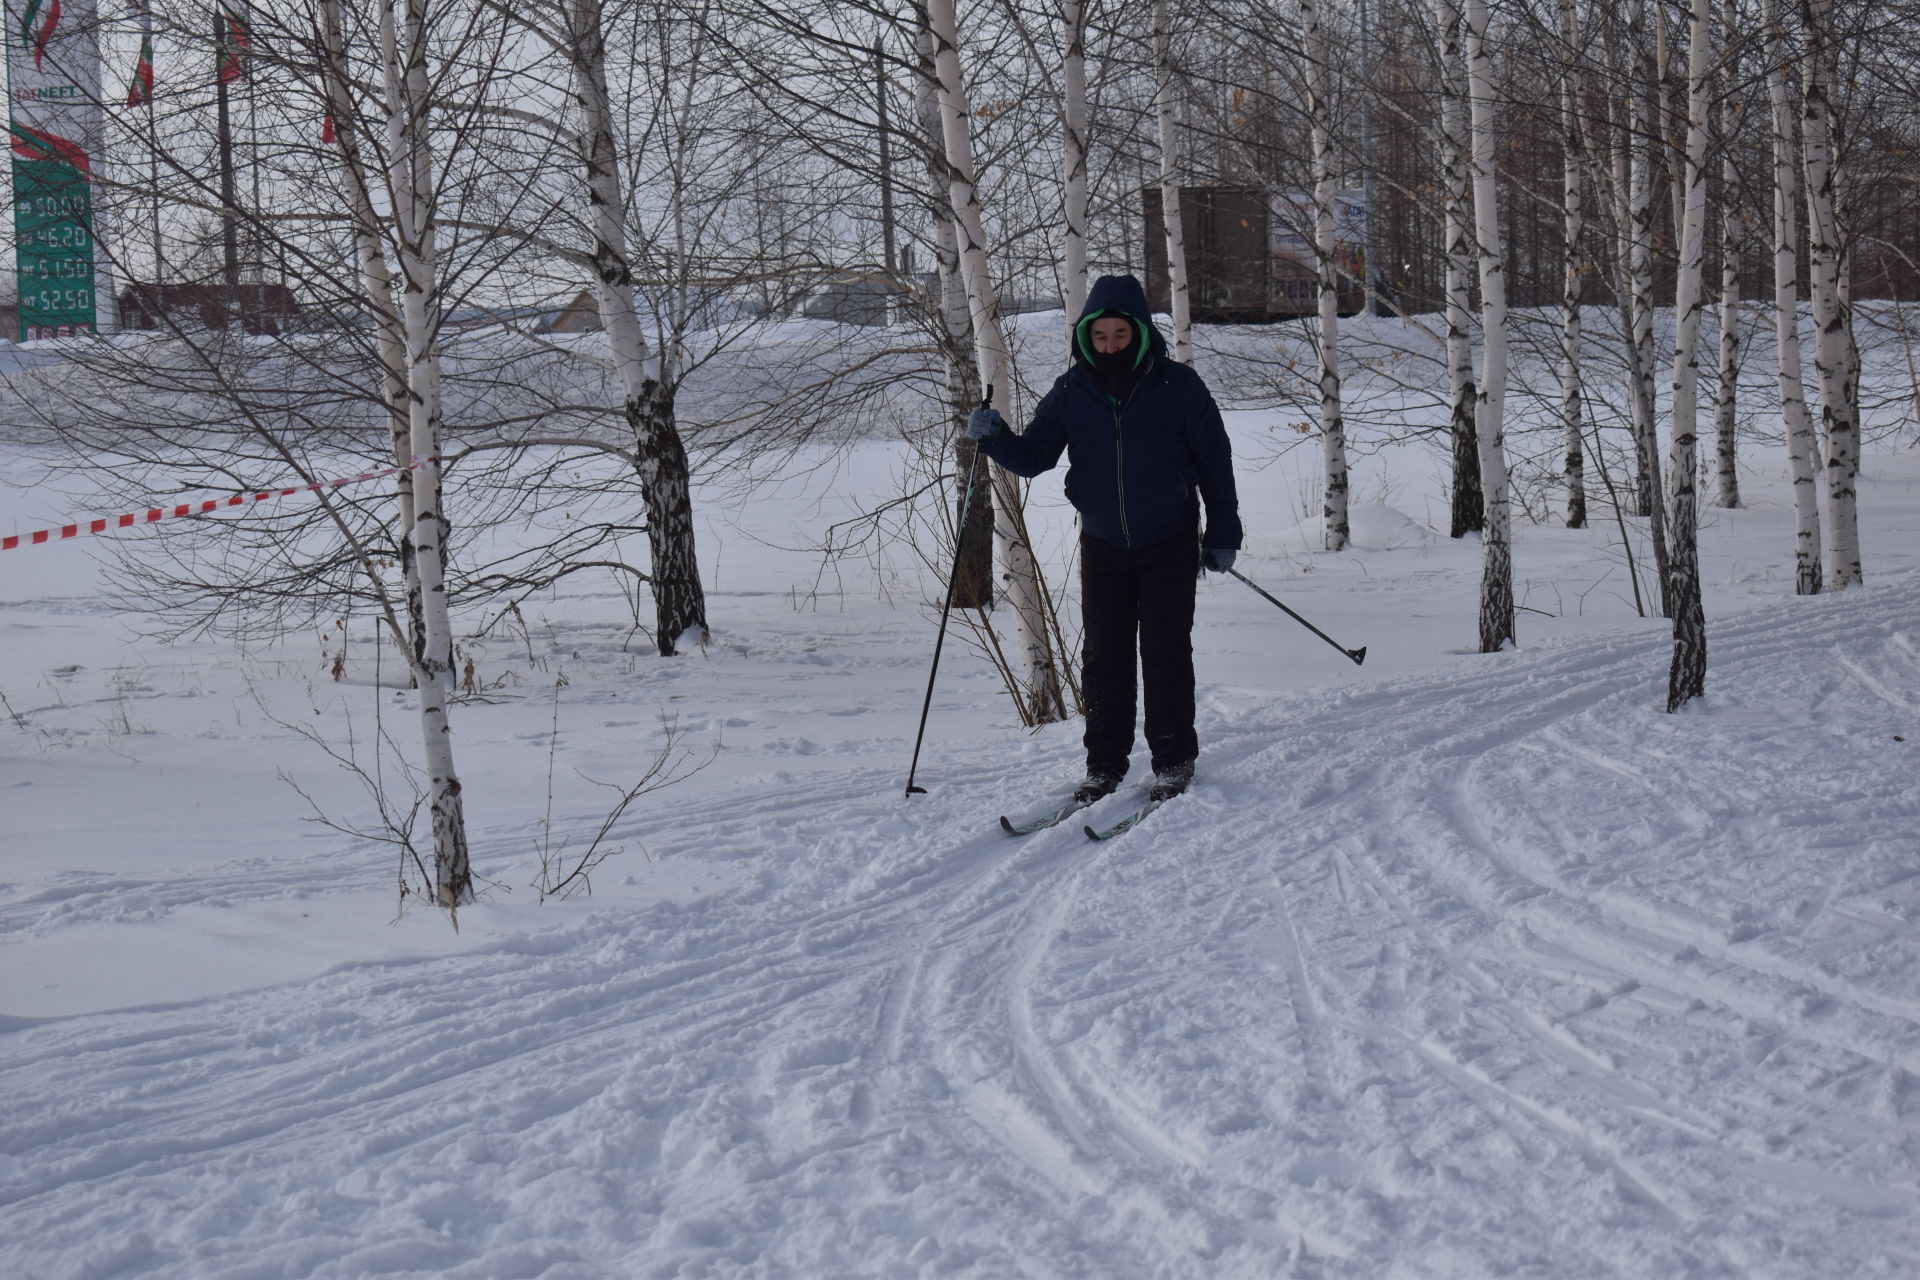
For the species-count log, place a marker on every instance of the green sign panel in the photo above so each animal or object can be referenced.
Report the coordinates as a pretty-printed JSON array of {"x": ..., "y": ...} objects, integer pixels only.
[
  {"x": 54, "y": 133},
  {"x": 53, "y": 236}
]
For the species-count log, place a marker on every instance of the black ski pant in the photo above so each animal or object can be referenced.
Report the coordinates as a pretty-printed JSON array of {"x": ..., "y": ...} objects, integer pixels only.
[{"x": 1136, "y": 604}]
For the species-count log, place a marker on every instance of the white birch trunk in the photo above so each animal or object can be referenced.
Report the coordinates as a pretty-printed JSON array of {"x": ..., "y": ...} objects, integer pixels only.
[
  {"x": 973, "y": 513},
  {"x": 1641, "y": 352},
  {"x": 626, "y": 343},
  {"x": 1468, "y": 514},
  {"x": 1726, "y": 403},
  {"x": 1640, "y": 144},
  {"x": 1170, "y": 218},
  {"x": 1671, "y": 139},
  {"x": 1073, "y": 159},
  {"x": 1041, "y": 694},
  {"x": 1803, "y": 445},
  {"x": 956, "y": 324},
  {"x": 1726, "y": 400},
  {"x": 410, "y": 184},
  {"x": 1843, "y": 224},
  {"x": 377, "y": 279},
  {"x": 1333, "y": 432},
  {"x": 666, "y": 487},
  {"x": 1496, "y": 581},
  {"x": 1573, "y": 465},
  {"x": 1620, "y": 119},
  {"x": 1829, "y": 318},
  {"x": 1688, "y": 675}
]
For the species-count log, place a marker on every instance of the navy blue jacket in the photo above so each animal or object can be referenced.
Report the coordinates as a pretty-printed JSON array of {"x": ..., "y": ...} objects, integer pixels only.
[{"x": 1141, "y": 460}]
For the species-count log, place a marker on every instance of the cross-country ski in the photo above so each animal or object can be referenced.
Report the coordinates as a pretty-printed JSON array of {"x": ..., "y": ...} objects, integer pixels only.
[
  {"x": 1125, "y": 824},
  {"x": 1052, "y": 817}
]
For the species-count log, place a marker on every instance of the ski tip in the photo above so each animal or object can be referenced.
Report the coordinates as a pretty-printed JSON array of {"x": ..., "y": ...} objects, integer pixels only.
[
  {"x": 1091, "y": 833},
  {"x": 1358, "y": 655},
  {"x": 916, "y": 791},
  {"x": 1007, "y": 826}
]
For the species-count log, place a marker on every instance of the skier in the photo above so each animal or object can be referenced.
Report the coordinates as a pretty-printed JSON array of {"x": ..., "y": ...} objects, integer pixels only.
[{"x": 1145, "y": 447}]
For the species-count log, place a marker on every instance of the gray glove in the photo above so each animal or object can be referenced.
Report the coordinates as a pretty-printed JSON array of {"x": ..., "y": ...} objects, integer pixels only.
[
  {"x": 1217, "y": 559},
  {"x": 984, "y": 421}
]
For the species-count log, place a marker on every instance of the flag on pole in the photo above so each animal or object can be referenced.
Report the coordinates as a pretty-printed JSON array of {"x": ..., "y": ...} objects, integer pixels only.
[
  {"x": 141, "y": 89},
  {"x": 39, "y": 19},
  {"x": 236, "y": 39}
]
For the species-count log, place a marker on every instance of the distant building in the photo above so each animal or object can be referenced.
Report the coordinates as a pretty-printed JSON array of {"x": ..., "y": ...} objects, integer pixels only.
[
  {"x": 697, "y": 308},
  {"x": 1250, "y": 256},
  {"x": 582, "y": 315},
  {"x": 258, "y": 306},
  {"x": 850, "y": 298},
  {"x": 534, "y": 319}
]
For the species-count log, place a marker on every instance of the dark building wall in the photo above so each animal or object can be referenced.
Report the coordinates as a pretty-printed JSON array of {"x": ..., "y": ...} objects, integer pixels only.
[{"x": 1233, "y": 275}]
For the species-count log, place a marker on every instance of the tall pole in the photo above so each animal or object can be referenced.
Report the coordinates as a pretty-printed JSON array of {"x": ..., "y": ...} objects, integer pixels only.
[
  {"x": 153, "y": 176},
  {"x": 886, "y": 157},
  {"x": 1366, "y": 159},
  {"x": 143, "y": 81},
  {"x": 229, "y": 229},
  {"x": 255, "y": 250}
]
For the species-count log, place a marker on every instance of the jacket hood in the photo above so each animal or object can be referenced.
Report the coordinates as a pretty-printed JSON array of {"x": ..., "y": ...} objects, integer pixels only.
[{"x": 1123, "y": 296}]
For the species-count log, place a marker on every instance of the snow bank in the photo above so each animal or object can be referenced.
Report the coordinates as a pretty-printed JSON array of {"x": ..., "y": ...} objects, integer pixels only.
[
  {"x": 1371, "y": 526},
  {"x": 1450, "y": 966}
]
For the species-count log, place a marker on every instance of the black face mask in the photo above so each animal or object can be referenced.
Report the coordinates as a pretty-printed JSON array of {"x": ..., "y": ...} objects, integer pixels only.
[{"x": 1114, "y": 364}]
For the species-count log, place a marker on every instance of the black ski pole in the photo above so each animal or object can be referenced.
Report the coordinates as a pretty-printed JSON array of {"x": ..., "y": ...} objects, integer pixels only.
[
  {"x": 953, "y": 580},
  {"x": 1358, "y": 655}
]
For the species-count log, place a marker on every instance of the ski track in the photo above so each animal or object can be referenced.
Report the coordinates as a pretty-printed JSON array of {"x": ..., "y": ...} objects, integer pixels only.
[{"x": 1520, "y": 990}]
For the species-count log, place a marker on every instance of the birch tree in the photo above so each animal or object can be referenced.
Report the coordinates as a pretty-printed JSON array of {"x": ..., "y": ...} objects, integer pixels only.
[
  {"x": 1669, "y": 133},
  {"x": 377, "y": 280},
  {"x": 1628, "y": 111},
  {"x": 1640, "y": 141},
  {"x": 1573, "y": 273},
  {"x": 404, "y": 40},
  {"x": 1726, "y": 492},
  {"x": 1829, "y": 312},
  {"x": 1688, "y": 674},
  {"x": 1803, "y": 447},
  {"x": 1496, "y": 578},
  {"x": 953, "y": 329},
  {"x": 1041, "y": 697},
  {"x": 1843, "y": 225},
  {"x": 648, "y": 387},
  {"x": 1333, "y": 444},
  {"x": 1073, "y": 158},
  {"x": 1170, "y": 184},
  {"x": 1468, "y": 514}
]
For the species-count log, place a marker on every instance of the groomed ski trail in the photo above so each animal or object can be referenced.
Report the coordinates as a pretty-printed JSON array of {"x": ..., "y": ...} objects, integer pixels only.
[{"x": 1501, "y": 971}]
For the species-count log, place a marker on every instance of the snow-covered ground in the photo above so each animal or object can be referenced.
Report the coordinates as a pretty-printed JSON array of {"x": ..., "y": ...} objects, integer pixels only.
[{"x": 1450, "y": 965}]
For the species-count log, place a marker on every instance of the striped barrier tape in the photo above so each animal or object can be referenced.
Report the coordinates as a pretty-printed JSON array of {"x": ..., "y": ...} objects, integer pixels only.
[{"x": 194, "y": 508}]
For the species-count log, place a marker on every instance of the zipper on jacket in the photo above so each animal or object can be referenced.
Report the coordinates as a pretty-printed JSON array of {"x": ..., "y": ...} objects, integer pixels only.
[{"x": 1120, "y": 455}]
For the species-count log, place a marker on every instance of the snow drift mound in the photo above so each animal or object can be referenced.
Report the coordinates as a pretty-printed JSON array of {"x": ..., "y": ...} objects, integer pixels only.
[{"x": 1372, "y": 526}]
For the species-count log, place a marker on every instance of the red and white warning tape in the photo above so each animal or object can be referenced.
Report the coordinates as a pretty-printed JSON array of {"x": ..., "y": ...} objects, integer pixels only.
[{"x": 194, "y": 508}]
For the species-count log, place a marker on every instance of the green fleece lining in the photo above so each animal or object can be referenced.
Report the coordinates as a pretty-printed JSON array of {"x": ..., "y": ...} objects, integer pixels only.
[{"x": 1083, "y": 340}]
